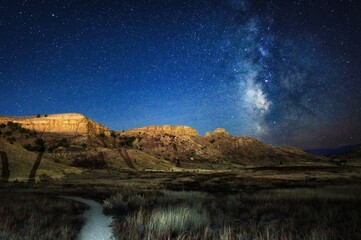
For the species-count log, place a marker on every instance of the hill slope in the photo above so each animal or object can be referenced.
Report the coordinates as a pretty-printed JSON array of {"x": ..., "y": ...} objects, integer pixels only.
[{"x": 21, "y": 163}]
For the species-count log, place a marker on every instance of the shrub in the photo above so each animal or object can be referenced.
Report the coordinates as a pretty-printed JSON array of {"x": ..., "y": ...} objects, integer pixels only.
[
  {"x": 11, "y": 139},
  {"x": 212, "y": 141},
  {"x": 63, "y": 143},
  {"x": 3, "y": 125},
  {"x": 8, "y": 133},
  {"x": 92, "y": 162},
  {"x": 102, "y": 135},
  {"x": 127, "y": 141},
  {"x": 24, "y": 130},
  {"x": 28, "y": 147},
  {"x": 13, "y": 126},
  {"x": 177, "y": 220},
  {"x": 38, "y": 115}
]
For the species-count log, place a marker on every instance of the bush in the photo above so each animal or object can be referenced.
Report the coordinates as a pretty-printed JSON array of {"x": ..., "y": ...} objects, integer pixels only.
[
  {"x": 13, "y": 126},
  {"x": 38, "y": 115},
  {"x": 212, "y": 141},
  {"x": 3, "y": 125},
  {"x": 8, "y": 133},
  {"x": 24, "y": 130},
  {"x": 127, "y": 141},
  {"x": 102, "y": 135},
  {"x": 28, "y": 147},
  {"x": 11, "y": 139},
  {"x": 61, "y": 143},
  {"x": 177, "y": 220},
  {"x": 92, "y": 162}
]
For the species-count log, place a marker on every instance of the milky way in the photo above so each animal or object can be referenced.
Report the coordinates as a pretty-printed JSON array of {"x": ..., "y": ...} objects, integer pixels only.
[{"x": 286, "y": 72}]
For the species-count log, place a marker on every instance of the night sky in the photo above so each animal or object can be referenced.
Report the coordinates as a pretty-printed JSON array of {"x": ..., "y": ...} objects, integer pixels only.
[{"x": 286, "y": 72}]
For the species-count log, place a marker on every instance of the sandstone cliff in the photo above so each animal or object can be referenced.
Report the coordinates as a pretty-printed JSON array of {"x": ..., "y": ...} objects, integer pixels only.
[
  {"x": 165, "y": 129},
  {"x": 67, "y": 123}
]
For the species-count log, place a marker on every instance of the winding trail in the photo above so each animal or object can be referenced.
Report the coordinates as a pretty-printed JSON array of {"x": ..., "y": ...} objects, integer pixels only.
[{"x": 97, "y": 225}]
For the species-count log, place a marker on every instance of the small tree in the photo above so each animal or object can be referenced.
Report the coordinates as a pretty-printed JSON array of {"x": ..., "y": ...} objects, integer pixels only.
[{"x": 40, "y": 145}]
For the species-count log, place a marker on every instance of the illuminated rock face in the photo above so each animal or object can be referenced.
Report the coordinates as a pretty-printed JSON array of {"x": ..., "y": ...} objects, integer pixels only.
[
  {"x": 165, "y": 129},
  {"x": 67, "y": 123}
]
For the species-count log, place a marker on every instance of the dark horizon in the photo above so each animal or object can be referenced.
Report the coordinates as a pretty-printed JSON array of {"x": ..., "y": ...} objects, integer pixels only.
[{"x": 283, "y": 72}]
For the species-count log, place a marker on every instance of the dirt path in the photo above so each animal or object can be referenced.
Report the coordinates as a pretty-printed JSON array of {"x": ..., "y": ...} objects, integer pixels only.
[{"x": 97, "y": 225}]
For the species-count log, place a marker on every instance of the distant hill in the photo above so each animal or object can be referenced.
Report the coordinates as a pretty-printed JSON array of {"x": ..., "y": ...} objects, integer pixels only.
[
  {"x": 58, "y": 144},
  {"x": 354, "y": 153},
  {"x": 21, "y": 163},
  {"x": 332, "y": 151},
  {"x": 216, "y": 147}
]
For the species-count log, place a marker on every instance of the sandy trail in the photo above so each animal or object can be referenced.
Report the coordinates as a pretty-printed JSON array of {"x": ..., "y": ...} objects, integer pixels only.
[{"x": 97, "y": 225}]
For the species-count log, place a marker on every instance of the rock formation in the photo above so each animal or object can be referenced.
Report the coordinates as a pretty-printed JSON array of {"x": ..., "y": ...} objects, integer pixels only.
[
  {"x": 67, "y": 123},
  {"x": 165, "y": 129},
  {"x": 216, "y": 131}
]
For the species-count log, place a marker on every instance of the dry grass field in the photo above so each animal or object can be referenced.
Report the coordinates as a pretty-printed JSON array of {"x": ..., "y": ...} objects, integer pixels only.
[
  {"x": 25, "y": 215},
  {"x": 325, "y": 213}
]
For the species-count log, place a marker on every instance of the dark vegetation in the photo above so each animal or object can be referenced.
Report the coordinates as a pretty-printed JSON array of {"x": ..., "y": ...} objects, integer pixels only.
[
  {"x": 91, "y": 162},
  {"x": 11, "y": 129},
  {"x": 38, "y": 146},
  {"x": 292, "y": 214},
  {"x": 5, "y": 171},
  {"x": 35, "y": 216},
  {"x": 60, "y": 143},
  {"x": 126, "y": 141}
]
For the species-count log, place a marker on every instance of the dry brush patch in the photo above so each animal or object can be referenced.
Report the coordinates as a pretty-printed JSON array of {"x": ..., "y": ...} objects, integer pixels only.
[
  {"x": 283, "y": 215},
  {"x": 34, "y": 216}
]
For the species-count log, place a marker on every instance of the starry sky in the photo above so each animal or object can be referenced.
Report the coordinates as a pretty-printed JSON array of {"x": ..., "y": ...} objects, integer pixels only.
[{"x": 286, "y": 72}]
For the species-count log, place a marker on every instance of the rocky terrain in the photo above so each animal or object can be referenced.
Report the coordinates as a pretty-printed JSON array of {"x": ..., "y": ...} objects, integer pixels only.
[
  {"x": 219, "y": 146},
  {"x": 161, "y": 130},
  {"x": 69, "y": 123},
  {"x": 75, "y": 143}
]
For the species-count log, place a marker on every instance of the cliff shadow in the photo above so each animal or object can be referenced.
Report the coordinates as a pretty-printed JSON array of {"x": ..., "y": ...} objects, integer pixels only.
[
  {"x": 124, "y": 154},
  {"x": 35, "y": 168},
  {"x": 5, "y": 172}
]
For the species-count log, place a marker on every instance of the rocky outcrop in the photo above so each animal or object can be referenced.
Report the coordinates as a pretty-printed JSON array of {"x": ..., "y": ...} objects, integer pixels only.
[
  {"x": 165, "y": 129},
  {"x": 67, "y": 123},
  {"x": 216, "y": 131}
]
